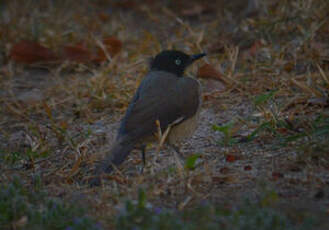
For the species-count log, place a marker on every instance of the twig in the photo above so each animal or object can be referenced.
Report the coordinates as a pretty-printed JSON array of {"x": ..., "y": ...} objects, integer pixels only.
[
  {"x": 323, "y": 74},
  {"x": 101, "y": 45}
]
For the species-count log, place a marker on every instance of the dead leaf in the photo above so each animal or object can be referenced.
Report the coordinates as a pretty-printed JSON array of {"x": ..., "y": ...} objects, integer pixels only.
[
  {"x": 112, "y": 46},
  {"x": 77, "y": 53},
  {"x": 208, "y": 71},
  {"x": 29, "y": 52},
  {"x": 230, "y": 158},
  {"x": 212, "y": 86}
]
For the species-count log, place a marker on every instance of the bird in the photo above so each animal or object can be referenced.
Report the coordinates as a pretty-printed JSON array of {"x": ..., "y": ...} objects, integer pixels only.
[{"x": 165, "y": 95}]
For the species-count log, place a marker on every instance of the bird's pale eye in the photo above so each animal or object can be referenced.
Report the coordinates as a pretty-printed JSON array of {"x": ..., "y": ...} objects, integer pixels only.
[{"x": 178, "y": 61}]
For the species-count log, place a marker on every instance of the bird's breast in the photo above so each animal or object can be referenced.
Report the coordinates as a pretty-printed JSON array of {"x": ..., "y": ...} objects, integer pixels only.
[{"x": 185, "y": 129}]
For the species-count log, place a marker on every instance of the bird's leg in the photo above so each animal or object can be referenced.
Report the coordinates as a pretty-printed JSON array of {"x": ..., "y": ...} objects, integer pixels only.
[
  {"x": 178, "y": 158},
  {"x": 177, "y": 150}
]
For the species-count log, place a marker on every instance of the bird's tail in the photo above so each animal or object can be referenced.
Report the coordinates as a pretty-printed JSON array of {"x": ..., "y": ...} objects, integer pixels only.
[{"x": 118, "y": 154}]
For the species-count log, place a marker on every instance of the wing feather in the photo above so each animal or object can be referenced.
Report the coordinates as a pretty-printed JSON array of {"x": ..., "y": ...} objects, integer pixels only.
[{"x": 161, "y": 96}]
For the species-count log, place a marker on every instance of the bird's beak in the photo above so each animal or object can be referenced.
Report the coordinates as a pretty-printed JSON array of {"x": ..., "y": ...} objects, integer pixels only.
[{"x": 197, "y": 56}]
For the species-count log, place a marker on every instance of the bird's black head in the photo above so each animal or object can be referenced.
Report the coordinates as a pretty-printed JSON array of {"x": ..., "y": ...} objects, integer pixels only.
[{"x": 173, "y": 61}]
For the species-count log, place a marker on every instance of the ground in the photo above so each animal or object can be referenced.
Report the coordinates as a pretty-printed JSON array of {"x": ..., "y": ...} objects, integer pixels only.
[{"x": 69, "y": 70}]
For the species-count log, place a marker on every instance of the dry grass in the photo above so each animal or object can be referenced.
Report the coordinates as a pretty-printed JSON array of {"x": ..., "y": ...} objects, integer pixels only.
[{"x": 59, "y": 117}]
